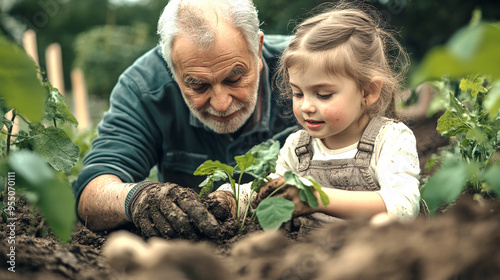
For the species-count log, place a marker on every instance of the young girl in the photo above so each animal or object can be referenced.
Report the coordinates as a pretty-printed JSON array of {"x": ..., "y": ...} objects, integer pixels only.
[{"x": 338, "y": 72}]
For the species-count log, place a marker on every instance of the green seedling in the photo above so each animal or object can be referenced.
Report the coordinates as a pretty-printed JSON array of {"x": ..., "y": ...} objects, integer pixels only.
[
  {"x": 32, "y": 160},
  {"x": 260, "y": 162},
  {"x": 471, "y": 118}
]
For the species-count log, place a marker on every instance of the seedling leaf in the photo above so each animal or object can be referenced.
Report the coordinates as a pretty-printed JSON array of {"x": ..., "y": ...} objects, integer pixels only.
[
  {"x": 209, "y": 167},
  {"x": 265, "y": 155},
  {"x": 324, "y": 198},
  {"x": 243, "y": 162},
  {"x": 305, "y": 188},
  {"x": 274, "y": 211}
]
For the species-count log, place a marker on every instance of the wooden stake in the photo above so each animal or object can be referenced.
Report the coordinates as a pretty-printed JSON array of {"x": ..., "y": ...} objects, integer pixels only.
[
  {"x": 30, "y": 45},
  {"x": 53, "y": 58},
  {"x": 80, "y": 99}
]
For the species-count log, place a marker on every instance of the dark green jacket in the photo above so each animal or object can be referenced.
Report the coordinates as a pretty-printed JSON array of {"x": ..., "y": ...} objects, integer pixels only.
[{"x": 148, "y": 124}]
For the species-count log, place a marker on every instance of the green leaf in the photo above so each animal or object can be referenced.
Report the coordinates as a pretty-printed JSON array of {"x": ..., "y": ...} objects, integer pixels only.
[
  {"x": 274, "y": 211},
  {"x": 54, "y": 145},
  {"x": 492, "y": 177},
  {"x": 243, "y": 162},
  {"x": 209, "y": 167},
  {"x": 3, "y": 107},
  {"x": 265, "y": 155},
  {"x": 473, "y": 84},
  {"x": 305, "y": 188},
  {"x": 207, "y": 184},
  {"x": 445, "y": 185},
  {"x": 322, "y": 195},
  {"x": 56, "y": 107},
  {"x": 19, "y": 84},
  {"x": 451, "y": 124},
  {"x": 471, "y": 50},
  {"x": 48, "y": 193}
]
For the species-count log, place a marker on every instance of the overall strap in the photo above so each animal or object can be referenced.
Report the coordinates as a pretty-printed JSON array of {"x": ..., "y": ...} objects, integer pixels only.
[
  {"x": 367, "y": 142},
  {"x": 303, "y": 150}
]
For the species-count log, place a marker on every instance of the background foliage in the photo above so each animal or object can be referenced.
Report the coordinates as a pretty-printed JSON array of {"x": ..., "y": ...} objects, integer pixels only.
[{"x": 80, "y": 26}]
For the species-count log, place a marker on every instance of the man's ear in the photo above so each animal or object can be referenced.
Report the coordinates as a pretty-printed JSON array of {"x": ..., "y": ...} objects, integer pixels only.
[
  {"x": 261, "y": 43},
  {"x": 372, "y": 93}
]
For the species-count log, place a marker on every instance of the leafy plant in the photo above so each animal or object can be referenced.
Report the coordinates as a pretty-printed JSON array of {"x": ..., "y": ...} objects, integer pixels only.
[
  {"x": 472, "y": 119},
  {"x": 472, "y": 49},
  {"x": 260, "y": 162},
  {"x": 31, "y": 157}
]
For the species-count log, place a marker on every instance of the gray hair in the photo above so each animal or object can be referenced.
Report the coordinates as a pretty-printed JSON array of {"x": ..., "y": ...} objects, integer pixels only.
[{"x": 190, "y": 18}]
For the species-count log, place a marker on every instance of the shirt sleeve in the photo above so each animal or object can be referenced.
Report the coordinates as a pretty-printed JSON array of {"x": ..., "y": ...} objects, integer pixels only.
[
  {"x": 396, "y": 168},
  {"x": 287, "y": 159},
  {"x": 127, "y": 141}
]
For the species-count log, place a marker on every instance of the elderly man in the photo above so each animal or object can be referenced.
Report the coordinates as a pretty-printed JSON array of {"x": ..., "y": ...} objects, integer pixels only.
[{"x": 204, "y": 93}]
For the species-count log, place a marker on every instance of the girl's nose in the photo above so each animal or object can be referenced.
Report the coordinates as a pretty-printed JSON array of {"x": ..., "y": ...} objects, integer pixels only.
[{"x": 308, "y": 106}]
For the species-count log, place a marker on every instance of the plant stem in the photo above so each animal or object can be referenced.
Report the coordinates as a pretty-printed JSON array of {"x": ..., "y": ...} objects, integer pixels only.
[
  {"x": 238, "y": 204},
  {"x": 7, "y": 150},
  {"x": 251, "y": 193},
  {"x": 9, "y": 133},
  {"x": 247, "y": 209}
]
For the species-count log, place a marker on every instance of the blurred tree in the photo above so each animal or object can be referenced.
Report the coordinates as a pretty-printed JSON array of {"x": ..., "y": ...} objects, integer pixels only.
[
  {"x": 105, "y": 51},
  {"x": 59, "y": 21},
  {"x": 423, "y": 23}
]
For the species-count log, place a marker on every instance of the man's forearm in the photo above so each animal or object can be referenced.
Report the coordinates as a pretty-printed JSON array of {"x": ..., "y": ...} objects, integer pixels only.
[{"x": 102, "y": 203}]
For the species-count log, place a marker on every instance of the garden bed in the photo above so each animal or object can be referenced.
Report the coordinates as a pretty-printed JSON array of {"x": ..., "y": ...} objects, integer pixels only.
[{"x": 459, "y": 244}]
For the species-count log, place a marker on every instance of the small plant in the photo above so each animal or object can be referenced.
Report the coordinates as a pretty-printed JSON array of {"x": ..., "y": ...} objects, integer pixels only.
[
  {"x": 472, "y": 120},
  {"x": 260, "y": 162},
  {"x": 33, "y": 160}
]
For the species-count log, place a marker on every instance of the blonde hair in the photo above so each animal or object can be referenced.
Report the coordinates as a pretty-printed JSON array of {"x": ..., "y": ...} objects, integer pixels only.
[{"x": 349, "y": 41}]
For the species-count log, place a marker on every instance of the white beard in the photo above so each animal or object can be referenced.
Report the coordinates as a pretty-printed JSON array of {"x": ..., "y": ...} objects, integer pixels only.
[{"x": 245, "y": 108}]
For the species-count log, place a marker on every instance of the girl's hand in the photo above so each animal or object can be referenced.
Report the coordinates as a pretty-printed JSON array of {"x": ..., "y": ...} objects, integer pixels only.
[{"x": 289, "y": 192}]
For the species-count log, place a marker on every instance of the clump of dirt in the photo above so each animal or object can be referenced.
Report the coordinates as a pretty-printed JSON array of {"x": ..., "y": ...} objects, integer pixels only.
[{"x": 461, "y": 244}]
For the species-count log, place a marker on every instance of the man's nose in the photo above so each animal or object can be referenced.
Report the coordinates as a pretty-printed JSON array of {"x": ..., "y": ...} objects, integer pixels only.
[{"x": 220, "y": 99}]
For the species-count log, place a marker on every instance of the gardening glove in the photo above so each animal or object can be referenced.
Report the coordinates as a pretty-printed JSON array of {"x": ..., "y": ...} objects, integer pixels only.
[
  {"x": 289, "y": 192},
  {"x": 169, "y": 210}
]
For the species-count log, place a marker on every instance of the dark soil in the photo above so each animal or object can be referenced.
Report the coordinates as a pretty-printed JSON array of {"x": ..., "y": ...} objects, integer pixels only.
[{"x": 462, "y": 243}]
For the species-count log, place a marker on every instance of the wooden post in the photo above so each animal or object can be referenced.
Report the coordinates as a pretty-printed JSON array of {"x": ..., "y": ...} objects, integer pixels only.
[
  {"x": 80, "y": 99},
  {"x": 53, "y": 58},
  {"x": 30, "y": 45}
]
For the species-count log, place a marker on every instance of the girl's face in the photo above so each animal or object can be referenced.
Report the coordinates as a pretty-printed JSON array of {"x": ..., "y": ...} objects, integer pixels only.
[{"x": 328, "y": 107}]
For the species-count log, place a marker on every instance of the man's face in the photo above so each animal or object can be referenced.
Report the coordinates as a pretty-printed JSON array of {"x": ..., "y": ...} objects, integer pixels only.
[{"x": 219, "y": 85}]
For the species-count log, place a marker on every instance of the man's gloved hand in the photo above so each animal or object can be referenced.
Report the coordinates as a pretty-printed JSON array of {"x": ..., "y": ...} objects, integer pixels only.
[
  {"x": 170, "y": 211},
  {"x": 289, "y": 192}
]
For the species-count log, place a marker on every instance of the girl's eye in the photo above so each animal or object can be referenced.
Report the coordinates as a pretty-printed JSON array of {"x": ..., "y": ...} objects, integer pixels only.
[
  {"x": 297, "y": 94},
  {"x": 324, "y": 96}
]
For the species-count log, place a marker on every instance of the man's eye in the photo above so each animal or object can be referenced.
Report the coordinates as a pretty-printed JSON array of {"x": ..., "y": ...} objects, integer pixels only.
[
  {"x": 233, "y": 80},
  {"x": 199, "y": 88}
]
